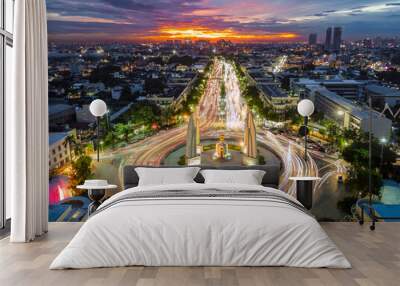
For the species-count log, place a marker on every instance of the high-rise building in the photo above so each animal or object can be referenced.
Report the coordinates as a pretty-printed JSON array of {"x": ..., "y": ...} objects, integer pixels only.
[
  {"x": 337, "y": 39},
  {"x": 312, "y": 39},
  {"x": 328, "y": 39}
]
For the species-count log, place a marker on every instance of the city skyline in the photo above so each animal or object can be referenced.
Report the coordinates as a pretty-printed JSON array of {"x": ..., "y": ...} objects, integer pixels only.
[{"x": 237, "y": 21}]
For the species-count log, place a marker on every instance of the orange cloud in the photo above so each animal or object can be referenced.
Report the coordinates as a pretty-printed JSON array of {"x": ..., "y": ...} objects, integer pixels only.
[{"x": 203, "y": 33}]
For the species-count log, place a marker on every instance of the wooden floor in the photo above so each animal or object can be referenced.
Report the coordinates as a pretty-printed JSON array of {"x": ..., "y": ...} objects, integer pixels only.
[{"x": 375, "y": 257}]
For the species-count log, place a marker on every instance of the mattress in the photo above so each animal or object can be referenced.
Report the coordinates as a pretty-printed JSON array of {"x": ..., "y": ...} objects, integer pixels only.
[{"x": 201, "y": 225}]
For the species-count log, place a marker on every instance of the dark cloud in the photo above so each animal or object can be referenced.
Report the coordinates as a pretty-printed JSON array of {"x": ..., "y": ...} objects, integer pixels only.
[{"x": 116, "y": 18}]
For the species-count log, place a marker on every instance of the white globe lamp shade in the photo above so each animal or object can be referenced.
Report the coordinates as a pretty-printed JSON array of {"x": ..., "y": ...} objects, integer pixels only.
[
  {"x": 98, "y": 108},
  {"x": 305, "y": 107}
]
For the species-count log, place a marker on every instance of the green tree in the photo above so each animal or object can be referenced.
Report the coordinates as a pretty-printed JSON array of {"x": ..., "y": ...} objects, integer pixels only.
[
  {"x": 81, "y": 170},
  {"x": 123, "y": 131},
  {"x": 166, "y": 115},
  {"x": 357, "y": 154},
  {"x": 70, "y": 143},
  {"x": 111, "y": 138}
]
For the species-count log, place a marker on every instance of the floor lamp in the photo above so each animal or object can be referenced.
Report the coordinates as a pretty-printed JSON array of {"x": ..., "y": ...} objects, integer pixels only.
[
  {"x": 98, "y": 108},
  {"x": 305, "y": 108}
]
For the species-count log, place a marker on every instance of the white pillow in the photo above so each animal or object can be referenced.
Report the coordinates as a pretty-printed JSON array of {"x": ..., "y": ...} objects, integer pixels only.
[
  {"x": 166, "y": 176},
  {"x": 248, "y": 177}
]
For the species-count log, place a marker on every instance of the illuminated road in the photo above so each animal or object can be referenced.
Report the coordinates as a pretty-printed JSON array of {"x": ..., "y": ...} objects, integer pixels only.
[
  {"x": 152, "y": 150},
  {"x": 235, "y": 107},
  {"x": 280, "y": 64}
]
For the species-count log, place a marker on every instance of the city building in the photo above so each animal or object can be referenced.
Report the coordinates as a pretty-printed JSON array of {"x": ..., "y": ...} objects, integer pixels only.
[
  {"x": 278, "y": 98},
  {"x": 312, "y": 39},
  {"x": 116, "y": 92},
  {"x": 337, "y": 39},
  {"x": 348, "y": 88},
  {"x": 59, "y": 150},
  {"x": 83, "y": 114},
  {"x": 328, "y": 39},
  {"x": 160, "y": 100},
  {"x": 382, "y": 95},
  {"x": 60, "y": 114},
  {"x": 349, "y": 115}
]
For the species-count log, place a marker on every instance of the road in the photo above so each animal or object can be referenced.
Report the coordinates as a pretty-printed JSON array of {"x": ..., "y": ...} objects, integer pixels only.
[{"x": 152, "y": 150}]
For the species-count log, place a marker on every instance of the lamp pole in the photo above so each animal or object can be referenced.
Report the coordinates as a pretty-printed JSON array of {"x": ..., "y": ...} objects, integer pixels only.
[
  {"x": 383, "y": 141},
  {"x": 305, "y": 108},
  {"x": 98, "y": 108},
  {"x": 98, "y": 138},
  {"x": 370, "y": 153},
  {"x": 305, "y": 137}
]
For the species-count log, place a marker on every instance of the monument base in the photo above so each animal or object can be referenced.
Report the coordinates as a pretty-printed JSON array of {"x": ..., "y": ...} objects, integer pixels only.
[
  {"x": 195, "y": 161},
  {"x": 249, "y": 161}
]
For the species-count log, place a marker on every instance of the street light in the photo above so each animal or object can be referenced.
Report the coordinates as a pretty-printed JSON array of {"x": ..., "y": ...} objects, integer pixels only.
[
  {"x": 305, "y": 108},
  {"x": 98, "y": 108},
  {"x": 383, "y": 142},
  {"x": 340, "y": 112}
]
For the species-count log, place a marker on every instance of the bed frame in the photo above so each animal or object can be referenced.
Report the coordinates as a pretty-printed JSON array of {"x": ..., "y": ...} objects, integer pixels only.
[{"x": 270, "y": 179}]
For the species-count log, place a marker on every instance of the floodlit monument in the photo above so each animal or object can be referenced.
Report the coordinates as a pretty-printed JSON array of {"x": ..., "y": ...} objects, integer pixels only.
[
  {"x": 192, "y": 157},
  {"x": 199, "y": 147},
  {"x": 221, "y": 149},
  {"x": 249, "y": 144}
]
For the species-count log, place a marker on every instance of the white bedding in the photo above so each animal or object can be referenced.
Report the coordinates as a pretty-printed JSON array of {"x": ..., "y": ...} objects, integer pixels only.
[{"x": 200, "y": 231}]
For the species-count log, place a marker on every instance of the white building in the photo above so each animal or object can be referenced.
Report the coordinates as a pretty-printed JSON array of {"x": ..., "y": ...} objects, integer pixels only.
[
  {"x": 59, "y": 151},
  {"x": 350, "y": 89},
  {"x": 383, "y": 94},
  {"x": 349, "y": 115},
  {"x": 273, "y": 94}
]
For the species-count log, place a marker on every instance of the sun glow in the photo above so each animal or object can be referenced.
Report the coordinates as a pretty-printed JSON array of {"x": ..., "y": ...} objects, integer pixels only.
[{"x": 199, "y": 33}]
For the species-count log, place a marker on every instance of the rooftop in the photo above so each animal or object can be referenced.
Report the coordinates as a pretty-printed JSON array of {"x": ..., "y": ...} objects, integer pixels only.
[
  {"x": 383, "y": 90},
  {"x": 308, "y": 81},
  {"x": 272, "y": 90},
  {"x": 59, "y": 107},
  {"x": 54, "y": 137}
]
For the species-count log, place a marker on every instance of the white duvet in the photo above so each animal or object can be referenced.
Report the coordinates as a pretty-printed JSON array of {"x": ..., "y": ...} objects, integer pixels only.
[{"x": 202, "y": 232}]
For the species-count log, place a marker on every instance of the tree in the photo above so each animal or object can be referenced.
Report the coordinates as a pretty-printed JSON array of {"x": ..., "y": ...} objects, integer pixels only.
[
  {"x": 69, "y": 143},
  {"x": 166, "y": 115},
  {"x": 357, "y": 154},
  {"x": 318, "y": 116},
  {"x": 123, "y": 131},
  {"x": 111, "y": 138},
  {"x": 357, "y": 181},
  {"x": 81, "y": 170}
]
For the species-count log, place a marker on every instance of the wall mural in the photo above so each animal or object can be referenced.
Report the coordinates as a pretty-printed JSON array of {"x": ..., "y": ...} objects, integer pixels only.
[{"x": 216, "y": 95}]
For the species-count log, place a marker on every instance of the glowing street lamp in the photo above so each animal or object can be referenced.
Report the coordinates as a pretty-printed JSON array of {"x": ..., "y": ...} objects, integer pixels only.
[
  {"x": 383, "y": 141},
  {"x": 98, "y": 108},
  {"x": 305, "y": 108}
]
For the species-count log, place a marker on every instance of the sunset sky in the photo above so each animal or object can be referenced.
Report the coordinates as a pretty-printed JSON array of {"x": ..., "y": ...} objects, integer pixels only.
[{"x": 240, "y": 21}]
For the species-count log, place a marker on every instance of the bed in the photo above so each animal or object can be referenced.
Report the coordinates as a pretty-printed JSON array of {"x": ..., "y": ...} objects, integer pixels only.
[{"x": 198, "y": 224}]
